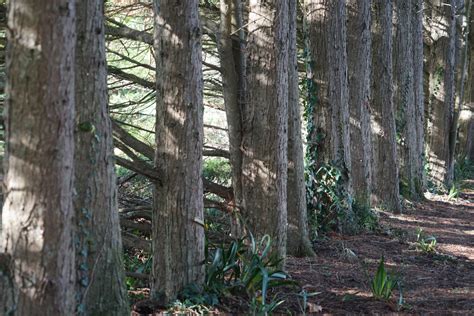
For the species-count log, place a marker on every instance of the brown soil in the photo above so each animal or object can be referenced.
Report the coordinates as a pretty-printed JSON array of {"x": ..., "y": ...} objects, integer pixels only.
[
  {"x": 432, "y": 283},
  {"x": 437, "y": 283}
]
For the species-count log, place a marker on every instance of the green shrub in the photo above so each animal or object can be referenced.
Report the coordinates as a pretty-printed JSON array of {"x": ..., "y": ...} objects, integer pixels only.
[
  {"x": 244, "y": 268},
  {"x": 425, "y": 243},
  {"x": 383, "y": 283}
]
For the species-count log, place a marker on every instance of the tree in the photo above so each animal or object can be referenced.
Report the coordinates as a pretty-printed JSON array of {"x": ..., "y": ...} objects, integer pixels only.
[
  {"x": 298, "y": 233},
  {"x": 385, "y": 172},
  {"x": 339, "y": 100},
  {"x": 232, "y": 57},
  {"x": 178, "y": 224},
  {"x": 265, "y": 123},
  {"x": 360, "y": 70},
  {"x": 101, "y": 281},
  {"x": 38, "y": 209},
  {"x": 442, "y": 94},
  {"x": 411, "y": 171},
  {"x": 319, "y": 112}
]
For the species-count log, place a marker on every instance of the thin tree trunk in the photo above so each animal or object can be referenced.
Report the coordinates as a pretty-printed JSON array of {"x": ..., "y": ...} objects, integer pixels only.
[
  {"x": 385, "y": 174},
  {"x": 317, "y": 72},
  {"x": 38, "y": 209},
  {"x": 178, "y": 223},
  {"x": 464, "y": 64},
  {"x": 233, "y": 82},
  {"x": 339, "y": 99},
  {"x": 100, "y": 288},
  {"x": 360, "y": 68},
  {"x": 418, "y": 78},
  {"x": 298, "y": 233},
  {"x": 265, "y": 125}
]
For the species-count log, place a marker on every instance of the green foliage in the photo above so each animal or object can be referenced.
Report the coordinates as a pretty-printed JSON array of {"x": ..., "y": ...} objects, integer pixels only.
[
  {"x": 217, "y": 170},
  {"x": 326, "y": 201},
  {"x": 383, "y": 283},
  {"x": 244, "y": 268},
  {"x": 138, "y": 263},
  {"x": 366, "y": 218},
  {"x": 426, "y": 244}
]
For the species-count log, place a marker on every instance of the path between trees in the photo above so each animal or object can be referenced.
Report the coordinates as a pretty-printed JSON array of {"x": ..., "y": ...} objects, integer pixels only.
[{"x": 438, "y": 283}]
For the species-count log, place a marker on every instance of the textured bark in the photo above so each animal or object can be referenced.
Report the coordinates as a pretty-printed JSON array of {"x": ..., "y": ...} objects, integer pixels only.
[
  {"x": 385, "y": 172},
  {"x": 404, "y": 99},
  {"x": 442, "y": 95},
  {"x": 232, "y": 69},
  {"x": 339, "y": 100},
  {"x": 418, "y": 81},
  {"x": 298, "y": 243},
  {"x": 317, "y": 72},
  {"x": 265, "y": 123},
  {"x": 463, "y": 71},
  {"x": 100, "y": 288},
  {"x": 178, "y": 223},
  {"x": 38, "y": 209},
  {"x": 360, "y": 68}
]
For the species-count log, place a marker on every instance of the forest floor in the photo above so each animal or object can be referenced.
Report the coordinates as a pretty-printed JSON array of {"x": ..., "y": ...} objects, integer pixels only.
[
  {"x": 440, "y": 282},
  {"x": 435, "y": 282}
]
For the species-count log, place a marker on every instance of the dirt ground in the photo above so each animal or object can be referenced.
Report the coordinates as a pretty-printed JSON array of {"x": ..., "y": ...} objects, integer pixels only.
[
  {"x": 437, "y": 283},
  {"x": 432, "y": 283}
]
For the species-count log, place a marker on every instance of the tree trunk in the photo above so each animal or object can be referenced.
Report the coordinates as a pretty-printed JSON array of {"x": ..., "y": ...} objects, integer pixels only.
[
  {"x": 442, "y": 96},
  {"x": 100, "y": 288},
  {"x": 463, "y": 71},
  {"x": 298, "y": 233},
  {"x": 317, "y": 72},
  {"x": 418, "y": 77},
  {"x": 404, "y": 100},
  {"x": 38, "y": 209},
  {"x": 233, "y": 81},
  {"x": 265, "y": 125},
  {"x": 385, "y": 172},
  {"x": 360, "y": 68},
  {"x": 339, "y": 99},
  {"x": 178, "y": 223}
]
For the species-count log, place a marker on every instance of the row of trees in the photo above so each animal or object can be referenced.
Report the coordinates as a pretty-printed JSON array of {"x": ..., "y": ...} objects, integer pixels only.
[{"x": 377, "y": 89}]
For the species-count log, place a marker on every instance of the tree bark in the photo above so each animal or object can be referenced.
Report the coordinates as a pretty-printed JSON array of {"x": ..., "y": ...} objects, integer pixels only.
[
  {"x": 339, "y": 99},
  {"x": 232, "y": 59},
  {"x": 298, "y": 243},
  {"x": 178, "y": 223},
  {"x": 404, "y": 100},
  {"x": 38, "y": 209},
  {"x": 317, "y": 72},
  {"x": 385, "y": 172},
  {"x": 265, "y": 123},
  {"x": 442, "y": 96},
  {"x": 100, "y": 288},
  {"x": 418, "y": 77},
  {"x": 360, "y": 69}
]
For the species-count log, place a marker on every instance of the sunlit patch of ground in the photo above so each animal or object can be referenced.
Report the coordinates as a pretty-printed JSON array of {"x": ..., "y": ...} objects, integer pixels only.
[{"x": 440, "y": 282}]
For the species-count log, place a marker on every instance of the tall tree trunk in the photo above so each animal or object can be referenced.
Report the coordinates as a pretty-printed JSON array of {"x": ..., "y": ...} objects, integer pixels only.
[
  {"x": 442, "y": 96},
  {"x": 385, "y": 173},
  {"x": 178, "y": 223},
  {"x": 232, "y": 66},
  {"x": 419, "y": 101},
  {"x": 360, "y": 68},
  {"x": 463, "y": 67},
  {"x": 298, "y": 233},
  {"x": 317, "y": 72},
  {"x": 38, "y": 209},
  {"x": 339, "y": 99},
  {"x": 265, "y": 125},
  {"x": 100, "y": 288},
  {"x": 404, "y": 99}
]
